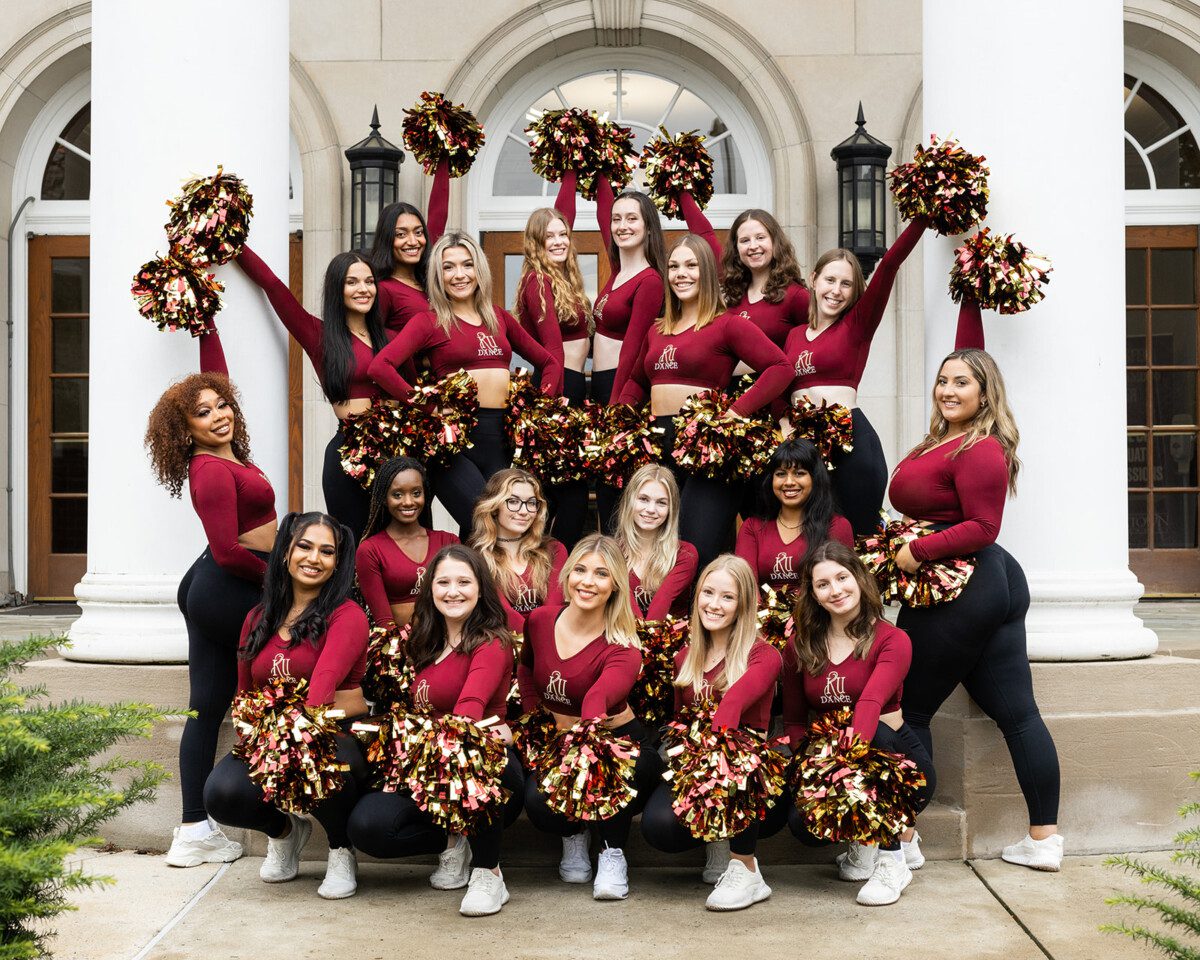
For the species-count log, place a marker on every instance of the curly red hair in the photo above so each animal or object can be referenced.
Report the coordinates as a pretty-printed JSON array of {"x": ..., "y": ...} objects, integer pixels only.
[{"x": 169, "y": 439}]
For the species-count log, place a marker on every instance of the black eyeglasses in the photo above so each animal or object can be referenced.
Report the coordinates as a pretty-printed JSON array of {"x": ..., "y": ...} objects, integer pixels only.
[{"x": 516, "y": 504}]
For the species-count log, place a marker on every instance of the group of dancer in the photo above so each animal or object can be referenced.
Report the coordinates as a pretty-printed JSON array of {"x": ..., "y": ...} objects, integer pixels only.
[{"x": 270, "y": 599}]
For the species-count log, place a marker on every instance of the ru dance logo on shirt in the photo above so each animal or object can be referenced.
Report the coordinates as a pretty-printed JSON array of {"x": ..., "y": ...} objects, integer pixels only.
[
  {"x": 598, "y": 308},
  {"x": 281, "y": 667},
  {"x": 420, "y": 580},
  {"x": 835, "y": 689},
  {"x": 804, "y": 364},
  {"x": 666, "y": 360},
  {"x": 704, "y": 692},
  {"x": 783, "y": 567},
  {"x": 556, "y": 688},
  {"x": 421, "y": 696},
  {"x": 488, "y": 346},
  {"x": 526, "y": 598}
]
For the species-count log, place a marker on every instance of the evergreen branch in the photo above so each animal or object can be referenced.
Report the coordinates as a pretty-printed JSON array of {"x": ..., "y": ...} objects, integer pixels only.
[
  {"x": 1170, "y": 914},
  {"x": 1168, "y": 945}
]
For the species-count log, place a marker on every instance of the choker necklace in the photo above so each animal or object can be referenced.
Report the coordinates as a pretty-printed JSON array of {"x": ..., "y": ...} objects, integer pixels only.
[
  {"x": 509, "y": 539},
  {"x": 789, "y": 526}
]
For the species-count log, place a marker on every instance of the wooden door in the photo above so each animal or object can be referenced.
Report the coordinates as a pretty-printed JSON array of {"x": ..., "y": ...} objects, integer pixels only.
[
  {"x": 58, "y": 415},
  {"x": 1162, "y": 322}
]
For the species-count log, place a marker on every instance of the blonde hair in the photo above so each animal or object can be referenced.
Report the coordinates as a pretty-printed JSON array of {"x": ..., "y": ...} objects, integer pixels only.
[
  {"x": 566, "y": 282},
  {"x": 709, "y": 302},
  {"x": 664, "y": 549},
  {"x": 994, "y": 418},
  {"x": 531, "y": 548},
  {"x": 439, "y": 300},
  {"x": 858, "y": 283},
  {"x": 619, "y": 625},
  {"x": 741, "y": 636}
]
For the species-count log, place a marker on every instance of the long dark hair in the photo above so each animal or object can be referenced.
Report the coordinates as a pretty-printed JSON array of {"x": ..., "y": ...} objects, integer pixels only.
[
  {"x": 819, "y": 507},
  {"x": 383, "y": 256},
  {"x": 486, "y": 622},
  {"x": 379, "y": 516},
  {"x": 277, "y": 585},
  {"x": 337, "y": 349},
  {"x": 784, "y": 268},
  {"x": 812, "y": 620},
  {"x": 654, "y": 244}
]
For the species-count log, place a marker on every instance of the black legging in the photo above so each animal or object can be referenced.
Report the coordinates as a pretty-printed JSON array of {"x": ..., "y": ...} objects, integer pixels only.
[
  {"x": 214, "y": 604},
  {"x": 569, "y": 501},
  {"x": 978, "y": 640},
  {"x": 391, "y": 825},
  {"x": 614, "y": 831},
  {"x": 237, "y": 801},
  {"x": 345, "y": 498},
  {"x": 459, "y": 483},
  {"x": 904, "y": 741},
  {"x": 607, "y": 496},
  {"x": 860, "y": 477}
]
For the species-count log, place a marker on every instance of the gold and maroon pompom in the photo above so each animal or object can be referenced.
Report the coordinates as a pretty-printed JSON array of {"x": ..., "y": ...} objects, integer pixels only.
[
  {"x": 454, "y": 771},
  {"x": 514, "y": 689},
  {"x": 828, "y": 427},
  {"x": 620, "y": 439},
  {"x": 936, "y": 581},
  {"x": 675, "y": 165},
  {"x": 776, "y": 623},
  {"x": 547, "y": 435},
  {"x": 943, "y": 183},
  {"x": 586, "y": 773},
  {"x": 723, "y": 780},
  {"x": 653, "y": 696},
  {"x": 998, "y": 272},
  {"x": 437, "y": 130},
  {"x": 389, "y": 671},
  {"x": 531, "y": 732},
  {"x": 562, "y": 140},
  {"x": 852, "y": 792},
  {"x": 290, "y": 747},
  {"x": 614, "y": 159},
  {"x": 713, "y": 441},
  {"x": 175, "y": 293},
  {"x": 210, "y": 220}
]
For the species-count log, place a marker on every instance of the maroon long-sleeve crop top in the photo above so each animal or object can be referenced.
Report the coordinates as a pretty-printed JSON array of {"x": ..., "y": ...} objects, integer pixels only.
[
  {"x": 672, "y": 594},
  {"x": 747, "y": 702},
  {"x": 473, "y": 685},
  {"x": 387, "y": 575},
  {"x": 774, "y": 562},
  {"x": 231, "y": 498}
]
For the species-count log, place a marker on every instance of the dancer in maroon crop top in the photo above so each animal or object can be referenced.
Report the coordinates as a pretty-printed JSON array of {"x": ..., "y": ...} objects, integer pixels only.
[
  {"x": 400, "y": 252},
  {"x": 845, "y": 654},
  {"x": 829, "y": 354},
  {"x": 661, "y": 566},
  {"x": 554, "y": 309},
  {"x": 341, "y": 344},
  {"x": 797, "y": 516},
  {"x": 463, "y": 330},
  {"x": 581, "y": 661},
  {"x": 460, "y": 653},
  {"x": 957, "y": 478},
  {"x": 509, "y": 531},
  {"x": 724, "y": 664},
  {"x": 306, "y": 627},
  {"x": 695, "y": 347},
  {"x": 394, "y": 556},
  {"x": 236, "y": 506}
]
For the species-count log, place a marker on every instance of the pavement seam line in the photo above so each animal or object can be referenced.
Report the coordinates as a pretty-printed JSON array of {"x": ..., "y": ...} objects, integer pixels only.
[
  {"x": 1007, "y": 909},
  {"x": 171, "y": 924}
]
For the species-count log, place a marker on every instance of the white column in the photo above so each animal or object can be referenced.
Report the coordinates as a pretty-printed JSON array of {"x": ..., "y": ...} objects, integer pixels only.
[
  {"x": 173, "y": 95},
  {"x": 1035, "y": 87}
]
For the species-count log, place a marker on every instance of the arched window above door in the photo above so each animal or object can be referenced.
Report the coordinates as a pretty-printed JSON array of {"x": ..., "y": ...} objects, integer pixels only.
[
  {"x": 68, "y": 171},
  {"x": 1161, "y": 151}
]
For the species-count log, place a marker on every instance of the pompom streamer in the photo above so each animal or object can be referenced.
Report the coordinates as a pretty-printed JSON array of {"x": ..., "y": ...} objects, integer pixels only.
[
  {"x": 828, "y": 427},
  {"x": 678, "y": 164},
  {"x": 290, "y": 747},
  {"x": 723, "y": 780},
  {"x": 586, "y": 773},
  {"x": 514, "y": 690},
  {"x": 615, "y": 159},
  {"x": 454, "y": 769},
  {"x": 430, "y": 425},
  {"x": 210, "y": 220},
  {"x": 936, "y": 581},
  {"x": 547, "y": 435},
  {"x": 620, "y": 439},
  {"x": 653, "y": 696},
  {"x": 711, "y": 441},
  {"x": 389, "y": 671},
  {"x": 852, "y": 792},
  {"x": 943, "y": 183},
  {"x": 175, "y": 293},
  {"x": 531, "y": 732},
  {"x": 562, "y": 140},
  {"x": 998, "y": 272},
  {"x": 436, "y": 129},
  {"x": 775, "y": 621}
]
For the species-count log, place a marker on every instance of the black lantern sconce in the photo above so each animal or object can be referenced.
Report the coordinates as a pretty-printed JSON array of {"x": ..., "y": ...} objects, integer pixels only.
[
  {"x": 374, "y": 182},
  {"x": 862, "y": 189}
]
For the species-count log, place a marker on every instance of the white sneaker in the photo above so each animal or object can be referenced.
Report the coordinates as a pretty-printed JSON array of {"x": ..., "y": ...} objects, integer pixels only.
[
  {"x": 738, "y": 888},
  {"x": 612, "y": 876},
  {"x": 716, "y": 861},
  {"x": 215, "y": 848},
  {"x": 454, "y": 867},
  {"x": 1036, "y": 854},
  {"x": 341, "y": 875},
  {"x": 887, "y": 882},
  {"x": 914, "y": 859},
  {"x": 282, "y": 862},
  {"x": 858, "y": 862},
  {"x": 485, "y": 895},
  {"x": 575, "y": 865}
]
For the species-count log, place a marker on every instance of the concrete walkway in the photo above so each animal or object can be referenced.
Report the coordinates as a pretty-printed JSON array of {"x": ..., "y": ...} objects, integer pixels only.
[{"x": 952, "y": 910}]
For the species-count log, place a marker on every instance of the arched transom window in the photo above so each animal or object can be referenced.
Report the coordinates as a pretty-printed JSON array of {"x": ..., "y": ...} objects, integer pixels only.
[
  {"x": 68, "y": 172},
  {"x": 1161, "y": 151}
]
